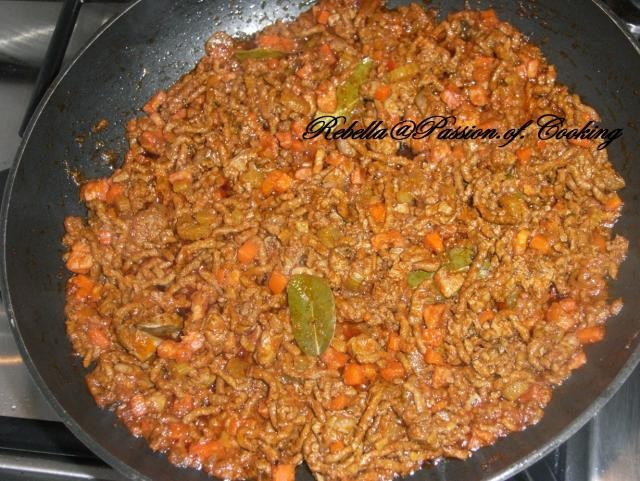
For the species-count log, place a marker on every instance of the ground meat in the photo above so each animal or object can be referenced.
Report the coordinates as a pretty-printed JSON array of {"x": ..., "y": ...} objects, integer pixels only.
[{"x": 467, "y": 277}]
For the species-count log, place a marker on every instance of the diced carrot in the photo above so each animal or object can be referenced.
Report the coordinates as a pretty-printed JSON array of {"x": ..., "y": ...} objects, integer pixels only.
[
  {"x": 131, "y": 125},
  {"x": 303, "y": 173},
  {"x": 550, "y": 225},
  {"x": 520, "y": 241},
  {"x": 98, "y": 336},
  {"x": 579, "y": 359},
  {"x": 283, "y": 472},
  {"x": 269, "y": 144},
  {"x": 181, "y": 405},
  {"x": 386, "y": 239},
  {"x": 541, "y": 144},
  {"x": 156, "y": 119},
  {"x": 440, "y": 152},
  {"x": 95, "y": 190},
  {"x": 349, "y": 331},
  {"x": 180, "y": 176},
  {"x": 528, "y": 67},
  {"x": 432, "y": 314},
  {"x": 336, "y": 447},
  {"x": 179, "y": 114},
  {"x": 382, "y": 93},
  {"x": 482, "y": 67},
  {"x": 276, "y": 42},
  {"x": 152, "y": 105},
  {"x": 537, "y": 392},
  {"x": 277, "y": 282},
  {"x": 588, "y": 114},
  {"x": 285, "y": 139},
  {"x": 524, "y": 154},
  {"x": 105, "y": 237},
  {"x": 177, "y": 431},
  {"x": 299, "y": 128},
  {"x": 378, "y": 212},
  {"x": 441, "y": 376},
  {"x": 563, "y": 313},
  {"x": 327, "y": 53},
  {"x": 490, "y": 123},
  {"x": 297, "y": 146},
  {"x": 354, "y": 374},
  {"x": 323, "y": 17},
  {"x": 335, "y": 158},
  {"x": 486, "y": 316},
  {"x": 433, "y": 336},
  {"x": 439, "y": 406},
  {"x": 377, "y": 55},
  {"x": 232, "y": 424},
  {"x": 599, "y": 241},
  {"x": 532, "y": 66},
  {"x": 221, "y": 275},
  {"x": 433, "y": 241},
  {"x": 305, "y": 71},
  {"x": 560, "y": 205},
  {"x": 370, "y": 371},
  {"x": 529, "y": 186},
  {"x": 358, "y": 176},
  {"x": 263, "y": 409},
  {"x": 540, "y": 243},
  {"x": 115, "y": 191},
  {"x": 81, "y": 287},
  {"x": 86, "y": 313},
  {"x": 80, "y": 260},
  {"x": 276, "y": 181},
  {"x": 468, "y": 117},
  {"x": 433, "y": 357},
  {"x": 248, "y": 251},
  {"x": 220, "y": 193},
  {"x": 178, "y": 351},
  {"x": 339, "y": 402},
  {"x": 168, "y": 349},
  {"x": 613, "y": 203},
  {"x": 584, "y": 143},
  {"x": 566, "y": 305},
  {"x": 138, "y": 405},
  {"x": 489, "y": 18},
  {"x": 146, "y": 426},
  {"x": 451, "y": 97},
  {"x": 393, "y": 370},
  {"x": 205, "y": 450},
  {"x": 151, "y": 141},
  {"x": 334, "y": 359},
  {"x": 478, "y": 95},
  {"x": 588, "y": 335},
  {"x": 394, "y": 342}
]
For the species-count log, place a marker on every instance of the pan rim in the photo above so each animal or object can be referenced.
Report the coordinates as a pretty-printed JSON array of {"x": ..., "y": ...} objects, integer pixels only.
[
  {"x": 130, "y": 472},
  {"x": 69, "y": 421}
]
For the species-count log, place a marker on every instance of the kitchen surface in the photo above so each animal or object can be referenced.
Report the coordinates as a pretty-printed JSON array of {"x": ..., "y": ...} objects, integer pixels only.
[{"x": 34, "y": 445}]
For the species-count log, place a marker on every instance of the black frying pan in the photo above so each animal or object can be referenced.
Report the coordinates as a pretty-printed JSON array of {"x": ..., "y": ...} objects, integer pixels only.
[{"x": 147, "y": 48}]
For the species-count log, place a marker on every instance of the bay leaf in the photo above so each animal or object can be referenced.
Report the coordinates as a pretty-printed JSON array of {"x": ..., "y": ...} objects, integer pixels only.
[
  {"x": 417, "y": 277},
  {"x": 313, "y": 312}
]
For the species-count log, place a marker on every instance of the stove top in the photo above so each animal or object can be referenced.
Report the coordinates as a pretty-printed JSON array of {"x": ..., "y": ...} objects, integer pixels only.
[{"x": 36, "y": 446}]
